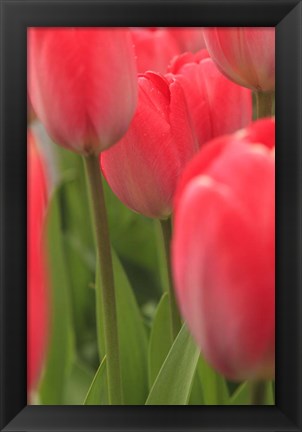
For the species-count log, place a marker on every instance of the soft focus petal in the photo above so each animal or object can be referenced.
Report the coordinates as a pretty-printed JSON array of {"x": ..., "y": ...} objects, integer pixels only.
[
  {"x": 154, "y": 49},
  {"x": 188, "y": 38},
  {"x": 245, "y": 55},
  {"x": 224, "y": 256},
  {"x": 37, "y": 312}
]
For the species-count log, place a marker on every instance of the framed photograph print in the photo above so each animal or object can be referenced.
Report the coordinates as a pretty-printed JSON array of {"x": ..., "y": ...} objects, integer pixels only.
[{"x": 150, "y": 215}]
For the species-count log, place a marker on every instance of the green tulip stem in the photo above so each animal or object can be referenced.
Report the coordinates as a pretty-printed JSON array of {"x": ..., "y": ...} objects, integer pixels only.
[
  {"x": 106, "y": 287},
  {"x": 258, "y": 390},
  {"x": 264, "y": 103},
  {"x": 166, "y": 229}
]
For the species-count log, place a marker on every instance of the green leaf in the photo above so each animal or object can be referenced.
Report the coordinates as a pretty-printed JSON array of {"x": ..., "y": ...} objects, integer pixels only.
[
  {"x": 174, "y": 381},
  {"x": 160, "y": 339},
  {"x": 132, "y": 338},
  {"x": 138, "y": 243},
  {"x": 60, "y": 347},
  {"x": 196, "y": 396},
  {"x": 242, "y": 396},
  {"x": 270, "y": 393},
  {"x": 98, "y": 391},
  {"x": 77, "y": 385},
  {"x": 80, "y": 253},
  {"x": 132, "y": 237},
  {"x": 214, "y": 386}
]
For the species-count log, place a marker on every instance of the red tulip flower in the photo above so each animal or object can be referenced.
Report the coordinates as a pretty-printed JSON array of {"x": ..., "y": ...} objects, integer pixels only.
[
  {"x": 217, "y": 106},
  {"x": 154, "y": 49},
  {"x": 82, "y": 84},
  {"x": 37, "y": 313},
  {"x": 223, "y": 252},
  {"x": 142, "y": 169},
  {"x": 245, "y": 55},
  {"x": 188, "y": 38}
]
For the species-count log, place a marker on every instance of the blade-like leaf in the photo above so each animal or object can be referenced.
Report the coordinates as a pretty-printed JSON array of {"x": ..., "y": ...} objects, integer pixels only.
[
  {"x": 215, "y": 391},
  {"x": 174, "y": 381},
  {"x": 60, "y": 347},
  {"x": 160, "y": 338},
  {"x": 159, "y": 345},
  {"x": 132, "y": 338},
  {"x": 242, "y": 395},
  {"x": 98, "y": 391},
  {"x": 132, "y": 237},
  {"x": 196, "y": 396}
]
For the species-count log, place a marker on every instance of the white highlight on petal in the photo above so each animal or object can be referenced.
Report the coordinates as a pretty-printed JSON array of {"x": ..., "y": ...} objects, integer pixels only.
[
  {"x": 242, "y": 133},
  {"x": 258, "y": 148}
]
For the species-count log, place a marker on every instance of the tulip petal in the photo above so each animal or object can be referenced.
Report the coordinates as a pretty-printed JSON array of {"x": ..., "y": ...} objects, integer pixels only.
[
  {"x": 82, "y": 84},
  {"x": 223, "y": 252},
  {"x": 222, "y": 314}
]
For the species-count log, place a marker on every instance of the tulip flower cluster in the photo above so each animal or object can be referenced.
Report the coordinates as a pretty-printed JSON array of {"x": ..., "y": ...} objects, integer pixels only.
[{"x": 165, "y": 115}]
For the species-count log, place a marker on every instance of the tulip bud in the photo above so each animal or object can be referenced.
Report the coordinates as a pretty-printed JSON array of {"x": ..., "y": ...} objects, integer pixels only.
[
  {"x": 154, "y": 49},
  {"x": 37, "y": 313},
  {"x": 244, "y": 55},
  {"x": 82, "y": 85},
  {"x": 216, "y": 105},
  {"x": 143, "y": 167},
  {"x": 223, "y": 252}
]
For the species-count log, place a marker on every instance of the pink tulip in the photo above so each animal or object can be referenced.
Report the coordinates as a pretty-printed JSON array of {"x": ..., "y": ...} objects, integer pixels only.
[
  {"x": 82, "y": 85},
  {"x": 223, "y": 252},
  {"x": 262, "y": 130},
  {"x": 37, "y": 313},
  {"x": 154, "y": 49},
  {"x": 188, "y": 38},
  {"x": 142, "y": 169},
  {"x": 217, "y": 106},
  {"x": 245, "y": 55}
]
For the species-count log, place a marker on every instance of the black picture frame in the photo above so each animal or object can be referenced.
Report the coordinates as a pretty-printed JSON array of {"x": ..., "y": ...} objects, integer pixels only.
[{"x": 16, "y": 16}]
